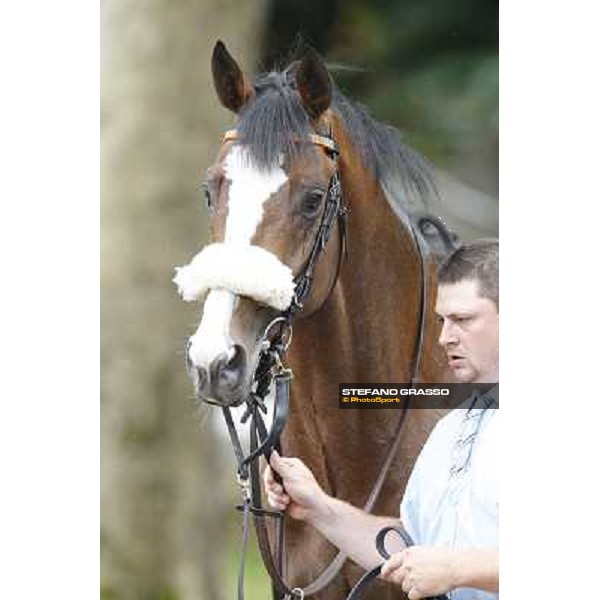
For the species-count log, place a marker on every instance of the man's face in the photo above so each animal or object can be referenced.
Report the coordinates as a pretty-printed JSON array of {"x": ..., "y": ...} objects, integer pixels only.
[{"x": 470, "y": 332}]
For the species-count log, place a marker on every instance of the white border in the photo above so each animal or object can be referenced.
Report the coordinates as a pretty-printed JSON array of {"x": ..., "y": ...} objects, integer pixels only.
[
  {"x": 549, "y": 155},
  {"x": 49, "y": 443},
  {"x": 49, "y": 439}
]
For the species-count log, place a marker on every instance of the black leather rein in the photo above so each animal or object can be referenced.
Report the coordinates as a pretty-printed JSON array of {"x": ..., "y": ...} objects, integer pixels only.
[{"x": 270, "y": 369}]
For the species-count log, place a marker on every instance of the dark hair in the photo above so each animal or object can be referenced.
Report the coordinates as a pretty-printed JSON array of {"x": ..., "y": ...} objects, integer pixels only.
[
  {"x": 479, "y": 261},
  {"x": 272, "y": 122}
]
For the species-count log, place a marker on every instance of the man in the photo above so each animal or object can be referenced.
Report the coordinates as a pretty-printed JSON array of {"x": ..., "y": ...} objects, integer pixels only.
[{"x": 450, "y": 505}]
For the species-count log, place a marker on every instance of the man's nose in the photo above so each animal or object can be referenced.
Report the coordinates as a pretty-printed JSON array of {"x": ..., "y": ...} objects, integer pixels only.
[{"x": 447, "y": 333}]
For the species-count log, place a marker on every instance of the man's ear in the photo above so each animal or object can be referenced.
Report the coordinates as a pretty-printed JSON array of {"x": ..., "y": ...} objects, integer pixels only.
[
  {"x": 314, "y": 84},
  {"x": 230, "y": 84}
]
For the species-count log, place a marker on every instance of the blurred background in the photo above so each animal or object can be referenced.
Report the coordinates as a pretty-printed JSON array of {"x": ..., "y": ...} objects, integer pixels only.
[{"x": 429, "y": 67}]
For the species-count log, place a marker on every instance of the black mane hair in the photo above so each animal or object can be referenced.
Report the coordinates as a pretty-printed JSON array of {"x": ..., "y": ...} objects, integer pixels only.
[{"x": 274, "y": 120}]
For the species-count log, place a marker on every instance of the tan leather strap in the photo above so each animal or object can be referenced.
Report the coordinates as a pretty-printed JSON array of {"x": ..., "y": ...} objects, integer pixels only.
[{"x": 231, "y": 135}]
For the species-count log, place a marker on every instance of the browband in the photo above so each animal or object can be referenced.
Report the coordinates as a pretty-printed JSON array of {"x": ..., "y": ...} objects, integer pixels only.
[{"x": 232, "y": 135}]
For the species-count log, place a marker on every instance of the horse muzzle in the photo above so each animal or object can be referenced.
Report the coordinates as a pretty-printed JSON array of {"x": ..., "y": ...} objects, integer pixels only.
[{"x": 224, "y": 380}]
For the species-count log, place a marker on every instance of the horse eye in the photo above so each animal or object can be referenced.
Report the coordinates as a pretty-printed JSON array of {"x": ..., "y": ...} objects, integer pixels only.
[
  {"x": 311, "y": 202},
  {"x": 428, "y": 229}
]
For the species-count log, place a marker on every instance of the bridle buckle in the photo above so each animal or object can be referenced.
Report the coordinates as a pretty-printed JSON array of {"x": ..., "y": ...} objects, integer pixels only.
[
  {"x": 244, "y": 485},
  {"x": 284, "y": 339}
]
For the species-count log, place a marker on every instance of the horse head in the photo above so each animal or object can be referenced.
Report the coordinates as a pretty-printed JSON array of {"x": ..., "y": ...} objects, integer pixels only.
[{"x": 267, "y": 193}]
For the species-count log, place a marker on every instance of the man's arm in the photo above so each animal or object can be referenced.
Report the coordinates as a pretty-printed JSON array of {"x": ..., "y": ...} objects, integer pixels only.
[
  {"x": 351, "y": 529},
  {"x": 477, "y": 568}
]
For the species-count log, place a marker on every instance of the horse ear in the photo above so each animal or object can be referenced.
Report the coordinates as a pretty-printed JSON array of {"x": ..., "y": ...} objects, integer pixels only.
[
  {"x": 232, "y": 87},
  {"x": 314, "y": 84}
]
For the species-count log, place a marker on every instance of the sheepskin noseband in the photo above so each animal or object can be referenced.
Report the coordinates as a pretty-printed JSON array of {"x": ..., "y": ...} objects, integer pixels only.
[{"x": 242, "y": 269}]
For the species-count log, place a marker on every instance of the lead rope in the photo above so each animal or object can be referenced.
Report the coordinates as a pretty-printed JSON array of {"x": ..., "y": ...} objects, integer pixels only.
[
  {"x": 359, "y": 589},
  {"x": 360, "y": 586},
  {"x": 248, "y": 476},
  {"x": 334, "y": 567}
]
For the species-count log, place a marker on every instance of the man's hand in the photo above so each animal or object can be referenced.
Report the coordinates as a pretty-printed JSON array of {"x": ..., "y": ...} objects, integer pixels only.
[
  {"x": 349, "y": 528},
  {"x": 425, "y": 571},
  {"x": 300, "y": 495},
  {"x": 422, "y": 571}
]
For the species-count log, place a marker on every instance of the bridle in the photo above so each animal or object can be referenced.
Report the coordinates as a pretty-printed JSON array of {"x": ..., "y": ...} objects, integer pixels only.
[
  {"x": 334, "y": 208},
  {"x": 270, "y": 369}
]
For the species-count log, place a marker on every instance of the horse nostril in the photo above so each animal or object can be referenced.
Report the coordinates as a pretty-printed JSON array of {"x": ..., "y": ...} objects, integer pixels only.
[
  {"x": 228, "y": 371},
  {"x": 236, "y": 362}
]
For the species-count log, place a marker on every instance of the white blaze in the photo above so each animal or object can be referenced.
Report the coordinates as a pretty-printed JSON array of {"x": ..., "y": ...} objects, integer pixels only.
[
  {"x": 249, "y": 189},
  {"x": 212, "y": 336}
]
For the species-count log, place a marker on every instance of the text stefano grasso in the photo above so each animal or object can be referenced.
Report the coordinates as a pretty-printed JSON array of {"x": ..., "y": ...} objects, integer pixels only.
[{"x": 396, "y": 391}]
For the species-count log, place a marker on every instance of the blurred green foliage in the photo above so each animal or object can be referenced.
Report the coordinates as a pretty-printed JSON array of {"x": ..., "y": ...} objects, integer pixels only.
[
  {"x": 430, "y": 67},
  {"x": 256, "y": 579},
  {"x": 108, "y": 593}
]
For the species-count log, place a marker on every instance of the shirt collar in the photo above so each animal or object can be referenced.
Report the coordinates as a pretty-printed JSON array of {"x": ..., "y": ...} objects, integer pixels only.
[{"x": 486, "y": 397}]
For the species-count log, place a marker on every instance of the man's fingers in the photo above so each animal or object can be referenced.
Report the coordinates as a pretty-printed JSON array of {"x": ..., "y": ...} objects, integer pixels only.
[
  {"x": 279, "y": 498},
  {"x": 403, "y": 572},
  {"x": 272, "y": 488},
  {"x": 414, "y": 594},
  {"x": 276, "y": 462},
  {"x": 392, "y": 563},
  {"x": 278, "y": 501},
  {"x": 268, "y": 476},
  {"x": 270, "y": 482},
  {"x": 275, "y": 488},
  {"x": 282, "y": 465},
  {"x": 407, "y": 584},
  {"x": 287, "y": 464}
]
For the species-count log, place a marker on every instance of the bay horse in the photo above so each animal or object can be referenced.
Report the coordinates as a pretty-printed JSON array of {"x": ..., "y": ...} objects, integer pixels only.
[{"x": 365, "y": 318}]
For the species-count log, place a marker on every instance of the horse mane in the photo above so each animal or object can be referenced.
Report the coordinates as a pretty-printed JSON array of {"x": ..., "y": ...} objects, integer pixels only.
[{"x": 275, "y": 119}]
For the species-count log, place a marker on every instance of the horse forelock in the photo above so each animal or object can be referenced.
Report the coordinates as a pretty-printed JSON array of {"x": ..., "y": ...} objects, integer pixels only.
[{"x": 271, "y": 124}]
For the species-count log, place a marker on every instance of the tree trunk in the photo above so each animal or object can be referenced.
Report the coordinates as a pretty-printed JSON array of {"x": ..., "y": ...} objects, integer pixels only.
[{"x": 162, "y": 496}]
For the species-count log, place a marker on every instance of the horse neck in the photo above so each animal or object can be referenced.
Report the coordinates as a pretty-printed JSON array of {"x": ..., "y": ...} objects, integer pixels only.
[{"x": 367, "y": 329}]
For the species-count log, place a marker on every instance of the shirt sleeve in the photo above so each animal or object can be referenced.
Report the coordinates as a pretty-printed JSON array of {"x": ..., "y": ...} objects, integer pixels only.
[
  {"x": 426, "y": 466},
  {"x": 408, "y": 512}
]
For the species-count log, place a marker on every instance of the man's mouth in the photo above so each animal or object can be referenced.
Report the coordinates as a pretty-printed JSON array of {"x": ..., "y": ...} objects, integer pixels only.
[{"x": 455, "y": 358}]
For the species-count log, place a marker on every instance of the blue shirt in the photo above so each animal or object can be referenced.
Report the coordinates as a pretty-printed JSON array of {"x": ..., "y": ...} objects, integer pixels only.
[{"x": 451, "y": 499}]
